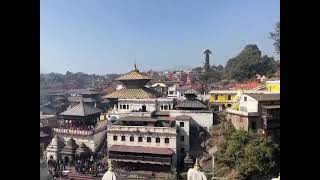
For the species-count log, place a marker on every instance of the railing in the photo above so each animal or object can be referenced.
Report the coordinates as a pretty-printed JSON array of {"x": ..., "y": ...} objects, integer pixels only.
[
  {"x": 142, "y": 129},
  {"x": 140, "y": 158},
  {"x": 70, "y": 131}
]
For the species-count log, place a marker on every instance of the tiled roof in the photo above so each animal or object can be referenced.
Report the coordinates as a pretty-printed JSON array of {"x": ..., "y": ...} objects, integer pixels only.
[
  {"x": 265, "y": 97},
  {"x": 191, "y": 103},
  {"x": 81, "y": 110},
  {"x": 89, "y": 91},
  {"x": 190, "y": 91},
  {"x": 140, "y": 119},
  {"x": 140, "y": 93},
  {"x": 140, "y": 149},
  {"x": 133, "y": 76}
]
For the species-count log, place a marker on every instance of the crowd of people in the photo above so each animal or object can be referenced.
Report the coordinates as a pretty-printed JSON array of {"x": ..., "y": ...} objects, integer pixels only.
[{"x": 90, "y": 165}]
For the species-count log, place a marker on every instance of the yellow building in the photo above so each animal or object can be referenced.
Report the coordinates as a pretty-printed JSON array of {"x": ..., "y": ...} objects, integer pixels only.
[
  {"x": 222, "y": 99},
  {"x": 273, "y": 86}
]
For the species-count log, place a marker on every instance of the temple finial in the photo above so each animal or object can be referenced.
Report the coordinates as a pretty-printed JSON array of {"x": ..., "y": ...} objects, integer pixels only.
[
  {"x": 196, "y": 165},
  {"x": 110, "y": 168},
  {"x": 135, "y": 67}
]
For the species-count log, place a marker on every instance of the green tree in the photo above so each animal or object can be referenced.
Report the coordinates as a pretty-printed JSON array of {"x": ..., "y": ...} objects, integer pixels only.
[
  {"x": 249, "y": 156},
  {"x": 248, "y": 63},
  {"x": 275, "y": 36}
]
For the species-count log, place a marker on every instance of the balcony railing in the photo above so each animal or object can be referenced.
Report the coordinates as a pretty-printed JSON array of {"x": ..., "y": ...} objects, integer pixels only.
[
  {"x": 75, "y": 132},
  {"x": 140, "y": 158},
  {"x": 142, "y": 129}
]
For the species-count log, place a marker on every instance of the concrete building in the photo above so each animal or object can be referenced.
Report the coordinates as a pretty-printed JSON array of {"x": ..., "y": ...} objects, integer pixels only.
[
  {"x": 222, "y": 99},
  {"x": 273, "y": 86},
  {"x": 135, "y": 140},
  {"x": 160, "y": 87},
  {"x": 258, "y": 113}
]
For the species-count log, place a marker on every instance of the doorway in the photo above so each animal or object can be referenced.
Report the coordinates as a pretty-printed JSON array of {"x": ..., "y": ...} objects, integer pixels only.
[{"x": 144, "y": 108}]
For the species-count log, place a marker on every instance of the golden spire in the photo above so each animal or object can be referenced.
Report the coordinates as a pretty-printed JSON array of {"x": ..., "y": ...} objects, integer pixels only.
[{"x": 197, "y": 165}]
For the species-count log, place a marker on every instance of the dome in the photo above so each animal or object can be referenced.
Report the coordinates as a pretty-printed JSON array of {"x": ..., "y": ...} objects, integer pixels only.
[
  {"x": 110, "y": 175},
  {"x": 195, "y": 173}
]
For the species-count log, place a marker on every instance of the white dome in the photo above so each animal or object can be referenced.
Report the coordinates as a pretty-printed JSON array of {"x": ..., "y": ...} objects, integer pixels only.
[
  {"x": 195, "y": 173},
  {"x": 110, "y": 175}
]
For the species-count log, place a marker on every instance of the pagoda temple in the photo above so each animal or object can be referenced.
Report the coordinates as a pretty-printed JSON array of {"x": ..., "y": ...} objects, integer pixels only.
[
  {"x": 191, "y": 102},
  {"x": 134, "y": 83},
  {"x": 135, "y": 98},
  {"x": 79, "y": 132}
]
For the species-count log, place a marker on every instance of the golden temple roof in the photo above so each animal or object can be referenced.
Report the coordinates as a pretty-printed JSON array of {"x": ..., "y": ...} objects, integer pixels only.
[
  {"x": 133, "y": 75},
  {"x": 139, "y": 93}
]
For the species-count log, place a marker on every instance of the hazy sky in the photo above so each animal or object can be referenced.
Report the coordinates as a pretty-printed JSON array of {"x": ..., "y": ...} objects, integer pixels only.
[{"x": 107, "y": 36}]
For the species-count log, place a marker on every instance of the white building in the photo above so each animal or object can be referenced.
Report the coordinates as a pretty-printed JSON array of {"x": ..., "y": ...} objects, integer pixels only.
[{"x": 153, "y": 142}]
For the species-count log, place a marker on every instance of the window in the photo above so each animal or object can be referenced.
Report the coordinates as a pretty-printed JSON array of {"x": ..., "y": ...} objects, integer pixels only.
[
  {"x": 171, "y": 92},
  {"x": 157, "y": 140},
  {"x": 181, "y": 124},
  {"x": 166, "y": 140},
  {"x": 124, "y": 106},
  {"x": 165, "y": 107},
  {"x": 148, "y": 139},
  {"x": 181, "y": 138},
  {"x": 131, "y": 138},
  {"x": 245, "y": 98},
  {"x": 123, "y": 138},
  {"x": 127, "y": 106},
  {"x": 182, "y": 150},
  {"x": 229, "y": 105},
  {"x": 161, "y": 107},
  {"x": 253, "y": 125},
  {"x": 115, "y": 138},
  {"x": 229, "y": 97},
  {"x": 139, "y": 139},
  {"x": 216, "y": 97}
]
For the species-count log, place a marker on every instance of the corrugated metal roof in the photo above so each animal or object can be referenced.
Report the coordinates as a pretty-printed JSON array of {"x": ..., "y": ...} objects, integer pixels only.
[
  {"x": 191, "y": 103},
  {"x": 81, "y": 110},
  {"x": 265, "y": 97},
  {"x": 140, "y": 93},
  {"x": 190, "y": 91},
  {"x": 140, "y": 149},
  {"x": 133, "y": 76}
]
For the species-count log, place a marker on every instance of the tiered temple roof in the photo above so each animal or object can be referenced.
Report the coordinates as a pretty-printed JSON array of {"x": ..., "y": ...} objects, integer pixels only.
[
  {"x": 134, "y": 75},
  {"x": 134, "y": 83},
  {"x": 138, "y": 93},
  {"x": 191, "y": 102},
  {"x": 81, "y": 110}
]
